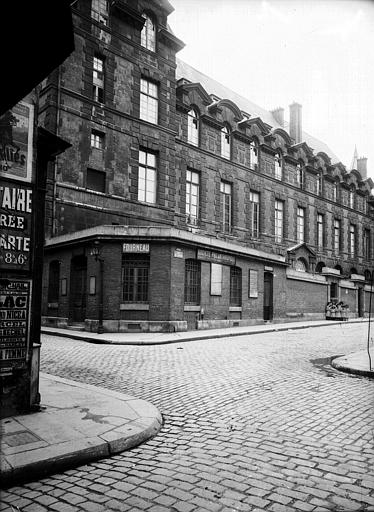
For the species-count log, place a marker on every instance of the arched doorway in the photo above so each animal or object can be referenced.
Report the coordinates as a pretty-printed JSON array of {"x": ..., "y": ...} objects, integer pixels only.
[
  {"x": 268, "y": 295},
  {"x": 78, "y": 289}
]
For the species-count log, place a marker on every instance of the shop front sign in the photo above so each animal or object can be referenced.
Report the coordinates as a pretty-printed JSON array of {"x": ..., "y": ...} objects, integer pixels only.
[
  {"x": 15, "y": 297},
  {"x": 139, "y": 248},
  {"x": 215, "y": 257}
]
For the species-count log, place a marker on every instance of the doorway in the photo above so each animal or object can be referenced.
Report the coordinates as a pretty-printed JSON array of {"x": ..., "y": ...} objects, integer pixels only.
[
  {"x": 268, "y": 295},
  {"x": 78, "y": 289}
]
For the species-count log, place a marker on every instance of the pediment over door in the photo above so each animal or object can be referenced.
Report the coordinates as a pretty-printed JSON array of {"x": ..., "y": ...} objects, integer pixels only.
[{"x": 302, "y": 258}]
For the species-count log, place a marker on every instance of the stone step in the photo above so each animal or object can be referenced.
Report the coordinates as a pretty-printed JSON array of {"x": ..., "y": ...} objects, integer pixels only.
[{"x": 75, "y": 327}]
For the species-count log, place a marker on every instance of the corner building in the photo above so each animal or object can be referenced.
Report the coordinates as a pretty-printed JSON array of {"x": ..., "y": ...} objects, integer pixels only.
[{"x": 182, "y": 205}]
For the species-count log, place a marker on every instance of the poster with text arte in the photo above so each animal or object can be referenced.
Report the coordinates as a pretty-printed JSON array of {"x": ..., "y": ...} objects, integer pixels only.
[
  {"x": 16, "y": 142},
  {"x": 15, "y": 296},
  {"x": 16, "y": 210}
]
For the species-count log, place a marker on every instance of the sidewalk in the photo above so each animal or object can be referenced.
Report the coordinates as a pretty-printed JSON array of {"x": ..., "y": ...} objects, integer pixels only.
[
  {"x": 161, "y": 338},
  {"x": 357, "y": 363},
  {"x": 78, "y": 423}
]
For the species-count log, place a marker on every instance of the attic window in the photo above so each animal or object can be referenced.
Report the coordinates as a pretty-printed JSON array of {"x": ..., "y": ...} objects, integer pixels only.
[{"x": 148, "y": 35}]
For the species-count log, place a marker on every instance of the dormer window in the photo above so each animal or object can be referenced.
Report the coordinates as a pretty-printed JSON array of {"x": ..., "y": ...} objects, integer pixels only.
[
  {"x": 226, "y": 142},
  {"x": 278, "y": 166},
  {"x": 99, "y": 11},
  {"x": 299, "y": 176},
  {"x": 319, "y": 185},
  {"x": 335, "y": 192},
  {"x": 351, "y": 198},
  {"x": 148, "y": 35},
  {"x": 253, "y": 155},
  {"x": 193, "y": 127}
]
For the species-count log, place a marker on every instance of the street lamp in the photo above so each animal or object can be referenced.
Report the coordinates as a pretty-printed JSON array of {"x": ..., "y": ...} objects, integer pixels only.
[{"x": 95, "y": 251}]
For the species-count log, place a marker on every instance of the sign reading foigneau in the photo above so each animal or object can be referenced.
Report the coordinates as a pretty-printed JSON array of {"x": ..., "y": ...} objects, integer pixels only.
[
  {"x": 215, "y": 257},
  {"x": 135, "y": 247},
  {"x": 14, "y": 323},
  {"x": 16, "y": 136},
  {"x": 15, "y": 226}
]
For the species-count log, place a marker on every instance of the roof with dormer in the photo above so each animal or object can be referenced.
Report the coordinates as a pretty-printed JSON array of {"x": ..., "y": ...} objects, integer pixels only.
[{"x": 211, "y": 86}]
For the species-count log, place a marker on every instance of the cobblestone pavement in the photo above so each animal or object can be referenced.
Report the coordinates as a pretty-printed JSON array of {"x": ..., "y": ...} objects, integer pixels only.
[{"x": 252, "y": 423}]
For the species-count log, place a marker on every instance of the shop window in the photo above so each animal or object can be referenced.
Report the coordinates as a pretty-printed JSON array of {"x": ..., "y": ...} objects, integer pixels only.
[
  {"x": 367, "y": 275},
  {"x": 192, "y": 282},
  {"x": 148, "y": 34},
  {"x": 135, "y": 278},
  {"x": 54, "y": 281},
  {"x": 235, "y": 286}
]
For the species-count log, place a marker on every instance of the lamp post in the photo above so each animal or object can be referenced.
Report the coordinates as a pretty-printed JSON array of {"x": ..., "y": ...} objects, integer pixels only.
[{"x": 95, "y": 251}]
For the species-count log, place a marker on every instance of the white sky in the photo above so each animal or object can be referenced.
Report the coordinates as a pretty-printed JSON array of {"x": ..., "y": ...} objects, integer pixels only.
[{"x": 319, "y": 53}]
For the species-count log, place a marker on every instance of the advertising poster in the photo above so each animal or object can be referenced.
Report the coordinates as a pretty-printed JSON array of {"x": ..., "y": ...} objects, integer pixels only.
[
  {"x": 14, "y": 324},
  {"x": 16, "y": 207},
  {"x": 16, "y": 139}
]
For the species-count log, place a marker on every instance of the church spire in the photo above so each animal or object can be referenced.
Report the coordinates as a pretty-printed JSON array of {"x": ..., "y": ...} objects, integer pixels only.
[{"x": 354, "y": 160}]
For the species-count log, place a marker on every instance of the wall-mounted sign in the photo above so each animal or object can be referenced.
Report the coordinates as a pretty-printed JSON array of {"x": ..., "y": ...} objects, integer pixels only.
[
  {"x": 178, "y": 253},
  {"x": 253, "y": 284},
  {"x": 215, "y": 257},
  {"x": 16, "y": 139},
  {"x": 15, "y": 226},
  {"x": 268, "y": 269},
  {"x": 14, "y": 323},
  {"x": 135, "y": 247}
]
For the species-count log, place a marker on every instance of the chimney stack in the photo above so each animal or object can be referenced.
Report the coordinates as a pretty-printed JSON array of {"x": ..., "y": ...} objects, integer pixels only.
[
  {"x": 362, "y": 167},
  {"x": 295, "y": 122},
  {"x": 278, "y": 114}
]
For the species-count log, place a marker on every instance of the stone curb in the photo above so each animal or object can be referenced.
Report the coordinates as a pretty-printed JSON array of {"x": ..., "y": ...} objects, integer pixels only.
[
  {"x": 95, "y": 448},
  {"x": 338, "y": 365},
  {"x": 275, "y": 328}
]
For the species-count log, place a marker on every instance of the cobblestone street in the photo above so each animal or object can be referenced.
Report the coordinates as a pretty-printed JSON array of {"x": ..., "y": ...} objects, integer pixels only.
[{"x": 251, "y": 423}]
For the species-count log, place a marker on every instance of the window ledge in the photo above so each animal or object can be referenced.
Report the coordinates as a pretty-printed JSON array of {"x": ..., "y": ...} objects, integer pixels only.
[
  {"x": 235, "y": 308},
  {"x": 191, "y": 307},
  {"x": 134, "y": 306}
]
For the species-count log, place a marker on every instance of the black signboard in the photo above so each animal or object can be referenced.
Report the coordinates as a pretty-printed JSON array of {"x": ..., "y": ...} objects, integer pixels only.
[{"x": 14, "y": 323}]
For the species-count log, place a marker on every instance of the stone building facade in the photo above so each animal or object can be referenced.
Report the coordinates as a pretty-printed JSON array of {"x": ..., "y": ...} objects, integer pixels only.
[{"x": 182, "y": 205}]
